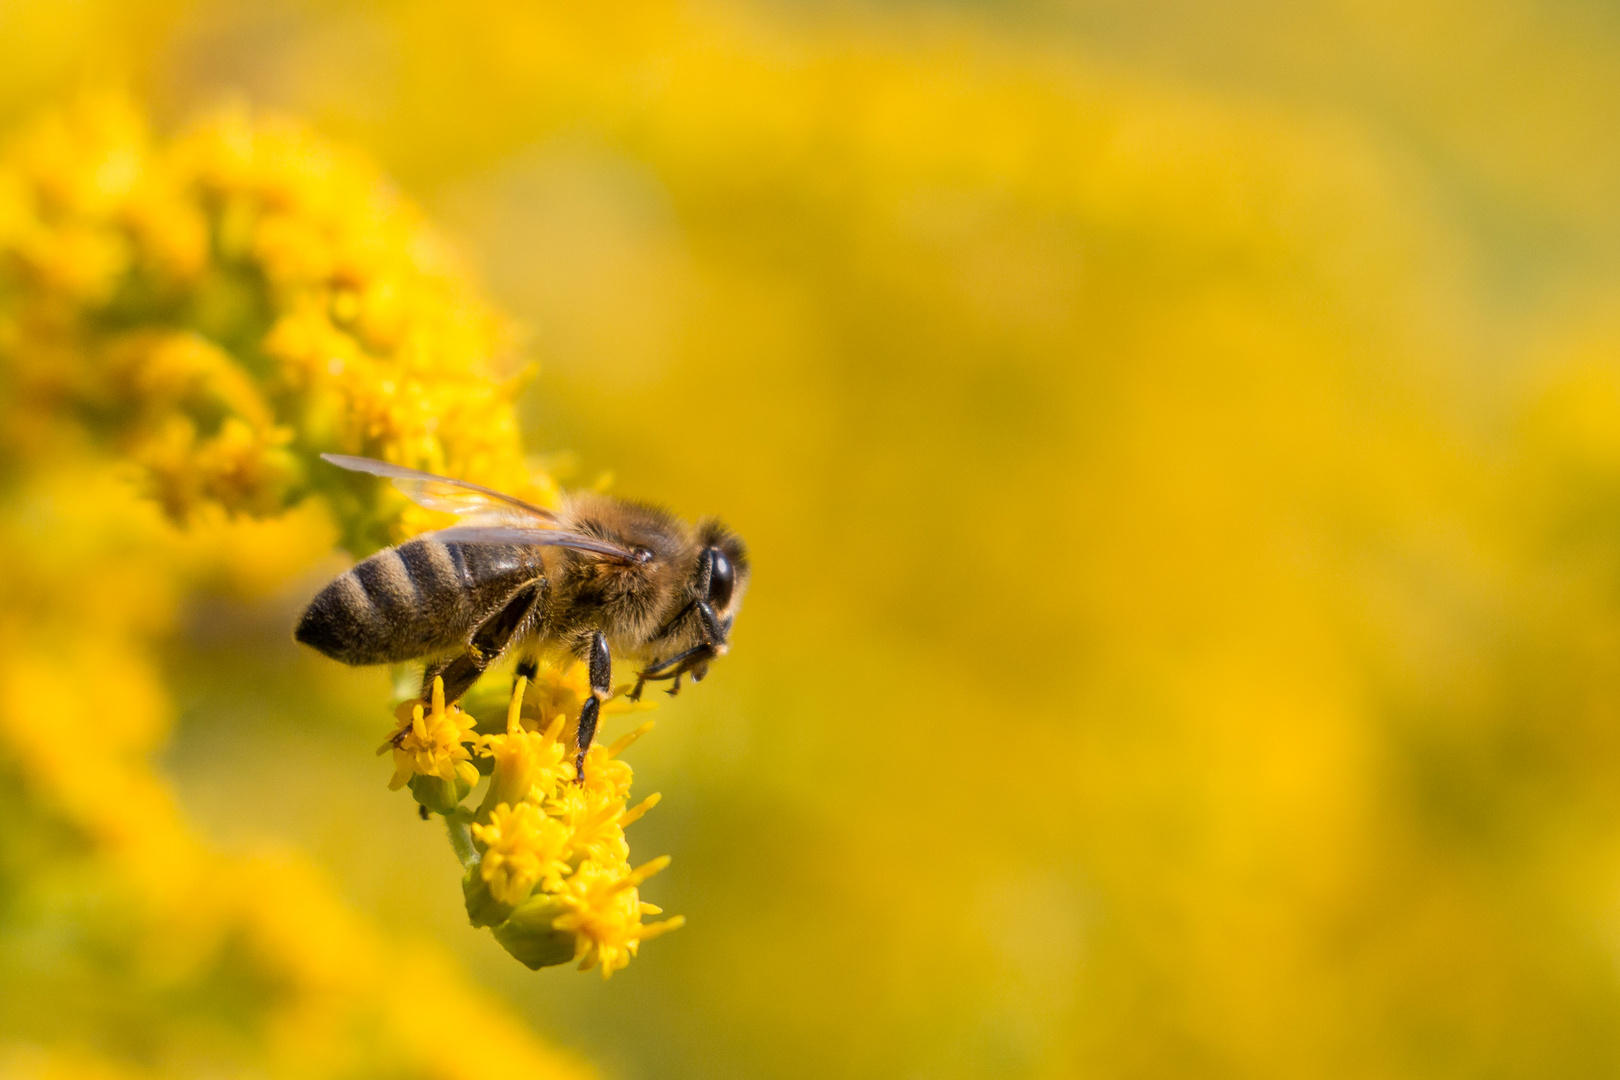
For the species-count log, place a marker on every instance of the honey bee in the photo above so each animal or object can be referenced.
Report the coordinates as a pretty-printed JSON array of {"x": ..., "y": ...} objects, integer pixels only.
[{"x": 598, "y": 578}]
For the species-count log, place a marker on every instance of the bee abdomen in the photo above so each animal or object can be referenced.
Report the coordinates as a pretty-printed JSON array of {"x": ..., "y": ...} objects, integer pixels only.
[{"x": 400, "y": 604}]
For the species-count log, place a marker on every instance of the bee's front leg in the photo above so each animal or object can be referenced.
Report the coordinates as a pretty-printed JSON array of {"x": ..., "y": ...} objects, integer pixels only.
[
  {"x": 694, "y": 660},
  {"x": 651, "y": 673},
  {"x": 601, "y": 669}
]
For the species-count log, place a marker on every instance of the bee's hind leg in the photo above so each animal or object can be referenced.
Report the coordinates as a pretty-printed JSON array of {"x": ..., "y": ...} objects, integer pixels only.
[
  {"x": 528, "y": 667},
  {"x": 601, "y": 668},
  {"x": 458, "y": 673},
  {"x": 488, "y": 642}
]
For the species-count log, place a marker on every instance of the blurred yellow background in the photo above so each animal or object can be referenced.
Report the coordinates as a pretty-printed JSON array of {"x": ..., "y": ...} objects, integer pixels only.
[{"x": 1179, "y": 445}]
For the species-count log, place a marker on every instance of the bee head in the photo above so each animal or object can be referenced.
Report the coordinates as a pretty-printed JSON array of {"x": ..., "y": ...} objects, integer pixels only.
[
  {"x": 700, "y": 629},
  {"x": 721, "y": 576}
]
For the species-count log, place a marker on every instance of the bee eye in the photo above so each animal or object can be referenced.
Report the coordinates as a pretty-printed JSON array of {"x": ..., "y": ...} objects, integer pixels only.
[{"x": 720, "y": 578}]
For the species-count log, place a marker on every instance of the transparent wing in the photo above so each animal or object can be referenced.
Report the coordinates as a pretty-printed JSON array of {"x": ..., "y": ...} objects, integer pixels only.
[
  {"x": 510, "y": 534},
  {"x": 439, "y": 492}
]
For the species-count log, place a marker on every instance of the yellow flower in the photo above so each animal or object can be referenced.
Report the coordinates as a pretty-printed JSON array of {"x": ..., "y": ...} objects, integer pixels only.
[
  {"x": 522, "y": 759},
  {"x": 223, "y": 308},
  {"x": 592, "y": 821},
  {"x": 557, "y": 693},
  {"x": 553, "y": 847},
  {"x": 596, "y": 819},
  {"x": 521, "y": 846},
  {"x": 602, "y": 908},
  {"x": 605, "y": 773},
  {"x": 593, "y": 918},
  {"x": 560, "y": 689},
  {"x": 432, "y": 746}
]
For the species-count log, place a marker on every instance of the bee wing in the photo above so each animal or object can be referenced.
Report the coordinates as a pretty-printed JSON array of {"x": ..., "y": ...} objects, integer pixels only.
[
  {"x": 512, "y": 534},
  {"x": 438, "y": 492}
]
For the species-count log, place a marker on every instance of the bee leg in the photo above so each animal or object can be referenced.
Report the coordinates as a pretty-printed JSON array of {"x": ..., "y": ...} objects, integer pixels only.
[
  {"x": 527, "y": 668},
  {"x": 714, "y": 634},
  {"x": 458, "y": 674},
  {"x": 675, "y": 687},
  {"x": 601, "y": 667},
  {"x": 694, "y": 661},
  {"x": 488, "y": 642},
  {"x": 642, "y": 678}
]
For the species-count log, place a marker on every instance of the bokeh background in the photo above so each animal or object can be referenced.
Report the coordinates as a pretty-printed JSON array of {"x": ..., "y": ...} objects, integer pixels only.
[{"x": 1180, "y": 447}]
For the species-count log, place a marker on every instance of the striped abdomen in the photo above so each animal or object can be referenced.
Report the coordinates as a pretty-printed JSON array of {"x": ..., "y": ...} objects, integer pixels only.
[{"x": 418, "y": 599}]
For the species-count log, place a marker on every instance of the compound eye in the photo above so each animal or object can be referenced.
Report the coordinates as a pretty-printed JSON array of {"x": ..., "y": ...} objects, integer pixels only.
[{"x": 721, "y": 578}]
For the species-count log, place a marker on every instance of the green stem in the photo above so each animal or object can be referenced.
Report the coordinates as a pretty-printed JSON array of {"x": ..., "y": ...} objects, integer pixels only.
[{"x": 456, "y": 824}]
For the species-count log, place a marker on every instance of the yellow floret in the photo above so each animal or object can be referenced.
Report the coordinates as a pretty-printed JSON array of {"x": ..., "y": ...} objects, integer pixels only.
[
  {"x": 433, "y": 743},
  {"x": 602, "y": 909},
  {"x": 522, "y": 847},
  {"x": 523, "y": 760}
]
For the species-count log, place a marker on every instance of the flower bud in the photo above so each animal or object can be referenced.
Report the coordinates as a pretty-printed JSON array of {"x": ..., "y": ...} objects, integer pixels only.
[
  {"x": 482, "y": 907},
  {"x": 439, "y": 795},
  {"x": 529, "y": 936}
]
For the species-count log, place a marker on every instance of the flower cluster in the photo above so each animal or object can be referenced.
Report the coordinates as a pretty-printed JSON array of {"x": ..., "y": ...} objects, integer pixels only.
[
  {"x": 547, "y": 865},
  {"x": 221, "y": 309}
]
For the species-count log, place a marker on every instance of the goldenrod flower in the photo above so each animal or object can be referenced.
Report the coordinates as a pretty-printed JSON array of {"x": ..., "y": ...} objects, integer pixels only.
[
  {"x": 604, "y": 770},
  {"x": 431, "y": 753},
  {"x": 558, "y": 691},
  {"x": 602, "y": 909},
  {"x": 596, "y": 818},
  {"x": 523, "y": 759},
  {"x": 521, "y": 846},
  {"x": 224, "y": 308},
  {"x": 595, "y": 918},
  {"x": 547, "y": 862}
]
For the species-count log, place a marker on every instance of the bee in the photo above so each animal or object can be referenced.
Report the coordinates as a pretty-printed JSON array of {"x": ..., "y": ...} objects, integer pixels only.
[{"x": 596, "y": 579}]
